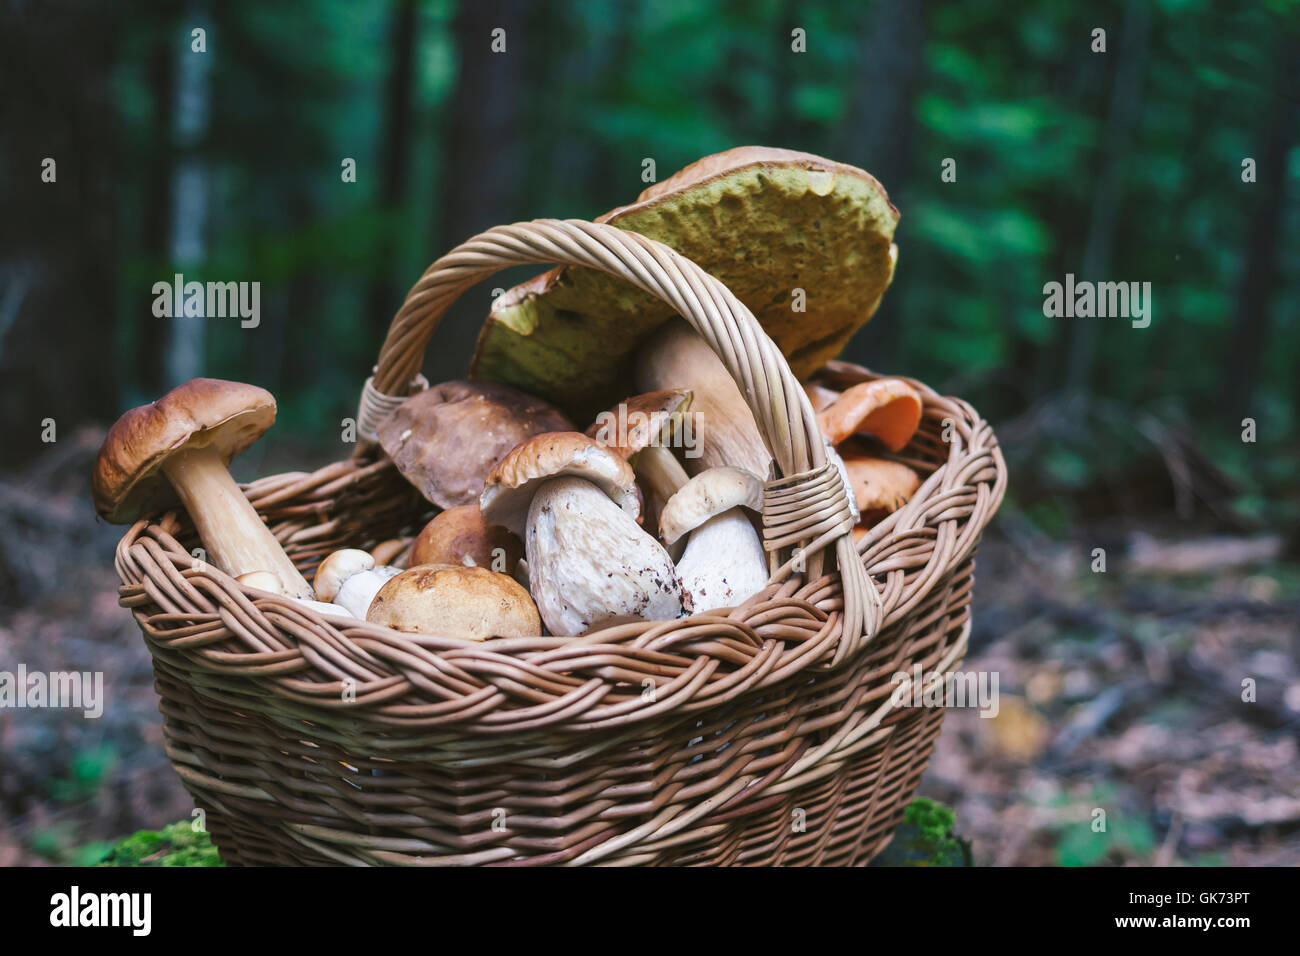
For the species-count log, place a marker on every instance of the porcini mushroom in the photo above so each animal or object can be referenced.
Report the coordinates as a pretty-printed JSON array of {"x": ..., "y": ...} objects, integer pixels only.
[
  {"x": 446, "y": 439},
  {"x": 886, "y": 408},
  {"x": 460, "y": 536},
  {"x": 639, "y": 429},
  {"x": 185, "y": 440},
  {"x": 575, "y": 502},
  {"x": 677, "y": 357},
  {"x": 724, "y": 562},
  {"x": 469, "y": 602},
  {"x": 769, "y": 224},
  {"x": 266, "y": 581},
  {"x": 350, "y": 578}
]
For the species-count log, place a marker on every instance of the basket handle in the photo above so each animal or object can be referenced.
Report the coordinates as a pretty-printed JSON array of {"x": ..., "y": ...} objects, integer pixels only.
[{"x": 807, "y": 506}]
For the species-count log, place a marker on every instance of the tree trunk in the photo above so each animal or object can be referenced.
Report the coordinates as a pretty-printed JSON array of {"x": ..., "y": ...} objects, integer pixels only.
[
  {"x": 1250, "y": 326},
  {"x": 384, "y": 295},
  {"x": 1125, "y": 105},
  {"x": 483, "y": 159},
  {"x": 880, "y": 136}
]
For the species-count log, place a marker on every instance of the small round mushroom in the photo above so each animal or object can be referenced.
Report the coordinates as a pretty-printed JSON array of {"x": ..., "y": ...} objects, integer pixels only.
[
  {"x": 446, "y": 439},
  {"x": 468, "y": 602},
  {"x": 589, "y": 561},
  {"x": 350, "y": 578},
  {"x": 724, "y": 562},
  {"x": 887, "y": 408},
  {"x": 638, "y": 428},
  {"x": 183, "y": 443},
  {"x": 266, "y": 581},
  {"x": 460, "y": 536}
]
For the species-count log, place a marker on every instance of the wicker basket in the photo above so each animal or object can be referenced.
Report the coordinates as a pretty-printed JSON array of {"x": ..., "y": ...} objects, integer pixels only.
[{"x": 761, "y": 736}]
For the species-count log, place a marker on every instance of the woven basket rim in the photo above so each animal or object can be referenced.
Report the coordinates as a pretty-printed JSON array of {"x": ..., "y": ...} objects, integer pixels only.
[{"x": 432, "y": 681}]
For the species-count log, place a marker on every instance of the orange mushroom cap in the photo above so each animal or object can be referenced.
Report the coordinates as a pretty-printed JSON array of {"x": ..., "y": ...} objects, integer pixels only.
[
  {"x": 879, "y": 485},
  {"x": 887, "y": 408}
]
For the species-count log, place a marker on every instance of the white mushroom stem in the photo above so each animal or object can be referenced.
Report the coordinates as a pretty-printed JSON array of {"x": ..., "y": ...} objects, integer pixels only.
[
  {"x": 677, "y": 357},
  {"x": 357, "y": 591},
  {"x": 724, "y": 563},
  {"x": 659, "y": 471},
  {"x": 234, "y": 535},
  {"x": 266, "y": 581},
  {"x": 589, "y": 561}
]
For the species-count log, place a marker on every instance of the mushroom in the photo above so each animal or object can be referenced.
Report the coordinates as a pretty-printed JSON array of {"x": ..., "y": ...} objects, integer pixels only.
[
  {"x": 880, "y": 486},
  {"x": 460, "y": 536},
  {"x": 266, "y": 581},
  {"x": 469, "y": 602},
  {"x": 446, "y": 439},
  {"x": 575, "y": 502},
  {"x": 185, "y": 440},
  {"x": 724, "y": 562},
  {"x": 677, "y": 357},
  {"x": 887, "y": 408},
  {"x": 637, "y": 428},
  {"x": 350, "y": 578},
  {"x": 819, "y": 396}
]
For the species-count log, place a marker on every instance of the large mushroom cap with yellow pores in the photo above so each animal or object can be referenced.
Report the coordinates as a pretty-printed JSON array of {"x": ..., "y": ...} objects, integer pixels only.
[
  {"x": 455, "y": 601},
  {"x": 227, "y": 416},
  {"x": 764, "y": 221}
]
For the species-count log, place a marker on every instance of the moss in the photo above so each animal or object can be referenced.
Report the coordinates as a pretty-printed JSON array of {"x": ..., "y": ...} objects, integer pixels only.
[
  {"x": 925, "y": 838},
  {"x": 174, "y": 845}
]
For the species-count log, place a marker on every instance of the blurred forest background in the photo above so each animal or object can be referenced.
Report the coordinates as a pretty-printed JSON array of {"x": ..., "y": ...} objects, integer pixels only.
[{"x": 1122, "y": 165}]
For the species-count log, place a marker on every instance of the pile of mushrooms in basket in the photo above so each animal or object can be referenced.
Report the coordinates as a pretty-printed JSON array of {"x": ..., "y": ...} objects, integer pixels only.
[{"x": 550, "y": 516}]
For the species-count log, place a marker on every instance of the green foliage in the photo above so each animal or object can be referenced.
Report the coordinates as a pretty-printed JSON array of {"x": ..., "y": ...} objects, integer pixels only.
[
  {"x": 1125, "y": 836},
  {"x": 1019, "y": 102}
]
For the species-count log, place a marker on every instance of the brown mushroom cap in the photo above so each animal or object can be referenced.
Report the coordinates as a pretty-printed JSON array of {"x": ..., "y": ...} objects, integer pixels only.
[
  {"x": 446, "y": 439},
  {"x": 641, "y": 420},
  {"x": 510, "y": 486},
  {"x": 455, "y": 601},
  {"x": 879, "y": 485},
  {"x": 460, "y": 533},
  {"x": 226, "y": 416},
  {"x": 886, "y": 408}
]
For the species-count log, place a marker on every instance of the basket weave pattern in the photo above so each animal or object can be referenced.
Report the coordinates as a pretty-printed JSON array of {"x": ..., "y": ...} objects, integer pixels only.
[{"x": 766, "y": 735}]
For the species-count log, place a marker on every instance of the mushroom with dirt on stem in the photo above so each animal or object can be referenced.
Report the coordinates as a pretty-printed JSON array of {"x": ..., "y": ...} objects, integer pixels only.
[
  {"x": 723, "y": 563},
  {"x": 182, "y": 443},
  {"x": 575, "y": 503}
]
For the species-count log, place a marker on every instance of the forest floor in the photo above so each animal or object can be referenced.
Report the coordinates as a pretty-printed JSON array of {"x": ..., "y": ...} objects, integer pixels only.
[{"x": 1120, "y": 696}]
